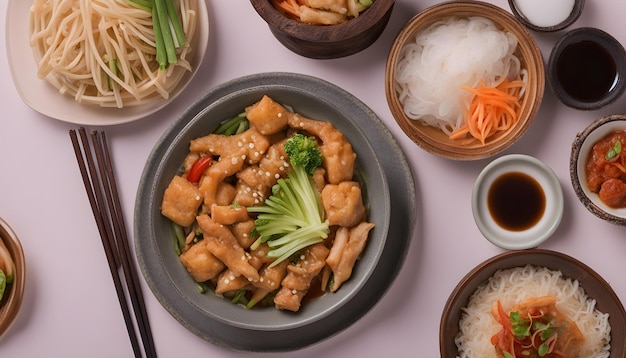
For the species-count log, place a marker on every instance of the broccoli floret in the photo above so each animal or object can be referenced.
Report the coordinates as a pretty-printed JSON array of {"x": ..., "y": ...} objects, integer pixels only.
[
  {"x": 292, "y": 218},
  {"x": 303, "y": 152}
]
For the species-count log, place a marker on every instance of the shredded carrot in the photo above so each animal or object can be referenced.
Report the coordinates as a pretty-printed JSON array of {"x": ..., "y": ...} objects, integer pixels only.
[
  {"x": 492, "y": 110},
  {"x": 289, "y": 7}
]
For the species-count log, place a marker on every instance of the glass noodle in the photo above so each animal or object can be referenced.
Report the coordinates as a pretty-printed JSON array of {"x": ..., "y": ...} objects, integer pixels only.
[
  {"x": 103, "y": 52},
  {"x": 448, "y": 56}
]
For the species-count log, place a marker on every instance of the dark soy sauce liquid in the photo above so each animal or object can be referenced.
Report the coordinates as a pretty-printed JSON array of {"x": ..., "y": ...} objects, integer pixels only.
[
  {"x": 516, "y": 201},
  {"x": 586, "y": 71}
]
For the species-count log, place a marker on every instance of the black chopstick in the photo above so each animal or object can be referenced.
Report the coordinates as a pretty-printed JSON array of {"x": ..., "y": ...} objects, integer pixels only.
[{"x": 103, "y": 195}]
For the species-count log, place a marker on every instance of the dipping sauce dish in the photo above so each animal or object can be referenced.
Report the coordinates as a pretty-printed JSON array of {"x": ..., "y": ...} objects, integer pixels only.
[
  {"x": 586, "y": 69},
  {"x": 517, "y": 202}
]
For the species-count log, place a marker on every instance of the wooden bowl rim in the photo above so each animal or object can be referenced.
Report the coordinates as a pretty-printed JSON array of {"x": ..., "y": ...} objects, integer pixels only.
[
  {"x": 10, "y": 305},
  {"x": 277, "y": 21},
  {"x": 432, "y": 139}
]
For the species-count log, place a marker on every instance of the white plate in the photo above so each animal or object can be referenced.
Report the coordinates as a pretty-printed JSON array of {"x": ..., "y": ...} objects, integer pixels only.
[{"x": 45, "y": 99}]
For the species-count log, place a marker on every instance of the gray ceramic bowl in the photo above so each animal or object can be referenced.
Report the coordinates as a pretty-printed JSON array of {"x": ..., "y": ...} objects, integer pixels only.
[
  {"x": 594, "y": 285},
  {"x": 392, "y": 210},
  {"x": 581, "y": 149}
]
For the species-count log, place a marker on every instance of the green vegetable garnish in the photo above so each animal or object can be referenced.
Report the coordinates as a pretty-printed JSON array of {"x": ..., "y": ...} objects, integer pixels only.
[
  {"x": 235, "y": 125},
  {"x": 366, "y": 3},
  {"x": 3, "y": 283},
  {"x": 292, "y": 218},
  {"x": 614, "y": 152},
  {"x": 521, "y": 328}
]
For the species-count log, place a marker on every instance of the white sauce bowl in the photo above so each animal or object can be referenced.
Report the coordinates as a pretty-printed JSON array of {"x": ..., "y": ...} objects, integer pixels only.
[{"x": 547, "y": 223}]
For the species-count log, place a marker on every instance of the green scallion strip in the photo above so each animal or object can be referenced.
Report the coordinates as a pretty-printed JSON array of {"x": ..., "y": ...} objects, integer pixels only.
[
  {"x": 161, "y": 55},
  {"x": 179, "y": 238},
  {"x": 240, "y": 297},
  {"x": 164, "y": 24},
  {"x": 174, "y": 19},
  {"x": 233, "y": 125},
  {"x": 141, "y": 4}
]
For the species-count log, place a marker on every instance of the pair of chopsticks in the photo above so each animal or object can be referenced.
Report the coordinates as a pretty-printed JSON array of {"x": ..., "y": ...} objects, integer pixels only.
[{"x": 96, "y": 168}]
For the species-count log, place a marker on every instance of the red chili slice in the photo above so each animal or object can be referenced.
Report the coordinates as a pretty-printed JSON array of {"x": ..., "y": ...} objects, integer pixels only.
[{"x": 198, "y": 168}]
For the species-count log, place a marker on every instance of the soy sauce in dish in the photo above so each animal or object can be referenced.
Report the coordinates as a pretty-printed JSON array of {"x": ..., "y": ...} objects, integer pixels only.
[
  {"x": 586, "y": 71},
  {"x": 516, "y": 201}
]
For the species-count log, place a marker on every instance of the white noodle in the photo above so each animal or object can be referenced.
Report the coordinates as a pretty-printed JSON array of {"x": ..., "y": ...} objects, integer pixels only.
[
  {"x": 448, "y": 55},
  {"x": 513, "y": 286},
  {"x": 75, "y": 40}
]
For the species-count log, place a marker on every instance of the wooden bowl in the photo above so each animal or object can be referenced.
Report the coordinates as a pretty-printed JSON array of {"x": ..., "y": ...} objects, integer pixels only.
[
  {"x": 434, "y": 140},
  {"x": 518, "y": 11},
  {"x": 590, "y": 281},
  {"x": 14, "y": 292},
  {"x": 327, "y": 41}
]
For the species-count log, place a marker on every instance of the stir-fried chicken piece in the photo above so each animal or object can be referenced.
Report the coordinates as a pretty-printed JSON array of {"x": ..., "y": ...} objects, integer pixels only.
[
  {"x": 215, "y": 175},
  {"x": 336, "y": 149},
  {"x": 346, "y": 249},
  {"x": 251, "y": 141},
  {"x": 181, "y": 201},
  {"x": 296, "y": 283},
  {"x": 200, "y": 263},
  {"x": 267, "y": 116},
  {"x": 343, "y": 204},
  {"x": 241, "y": 231},
  {"x": 225, "y": 193},
  {"x": 221, "y": 242},
  {"x": 229, "y": 214},
  {"x": 229, "y": 280},
  {"x": 317, "y": 16},
  {"x": 255, "y": 182},
  {"x": 270, "y": 277},
  {"x": 338, "y": 6}
]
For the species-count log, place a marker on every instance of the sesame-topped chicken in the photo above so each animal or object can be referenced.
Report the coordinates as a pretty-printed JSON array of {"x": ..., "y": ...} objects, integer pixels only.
[{"x": 267, "y": 204}]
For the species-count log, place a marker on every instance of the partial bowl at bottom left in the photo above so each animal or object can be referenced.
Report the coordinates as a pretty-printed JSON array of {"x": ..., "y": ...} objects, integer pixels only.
[{"x": 12, "y": 260}]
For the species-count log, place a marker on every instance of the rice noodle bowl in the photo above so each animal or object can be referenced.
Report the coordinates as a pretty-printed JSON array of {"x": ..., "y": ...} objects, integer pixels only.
[
  {"x": 515, "y": 285},
  {"x": 448, "y": 55}
]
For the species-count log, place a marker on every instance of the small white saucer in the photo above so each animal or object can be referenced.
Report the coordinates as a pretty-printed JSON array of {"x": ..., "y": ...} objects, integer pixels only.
[{"x": 535, "y": 234}]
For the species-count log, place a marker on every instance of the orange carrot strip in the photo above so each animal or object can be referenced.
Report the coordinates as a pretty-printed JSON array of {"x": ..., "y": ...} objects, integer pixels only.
[{"x": 492, "y": 110}]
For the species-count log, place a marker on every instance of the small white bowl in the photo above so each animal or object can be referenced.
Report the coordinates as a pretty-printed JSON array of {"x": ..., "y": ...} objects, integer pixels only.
[
  {"x": 537, "y": 232},
  {"x": 581, "y": 149}
]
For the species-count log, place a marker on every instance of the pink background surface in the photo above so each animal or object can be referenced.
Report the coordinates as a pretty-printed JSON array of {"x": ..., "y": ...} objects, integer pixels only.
[{"x": 70, "y": 309}]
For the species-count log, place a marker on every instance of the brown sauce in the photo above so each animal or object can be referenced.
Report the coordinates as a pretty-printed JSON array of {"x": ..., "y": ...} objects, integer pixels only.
[
  {"x": 516, "y": 201},
  {"x": 586, "y": 71}
]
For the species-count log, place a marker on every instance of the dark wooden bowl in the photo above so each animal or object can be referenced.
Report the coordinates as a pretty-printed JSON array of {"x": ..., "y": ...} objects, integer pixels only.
[{"x": 326, "y": 41}]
